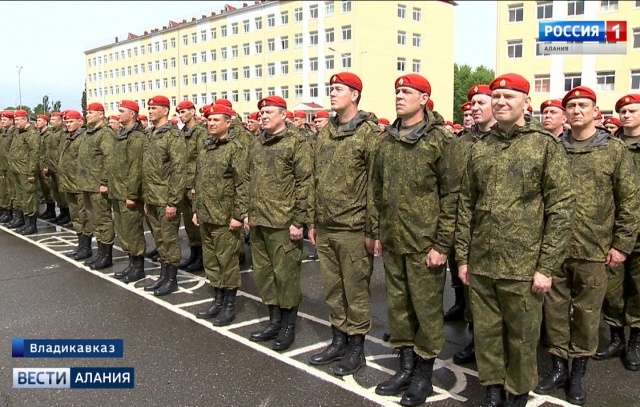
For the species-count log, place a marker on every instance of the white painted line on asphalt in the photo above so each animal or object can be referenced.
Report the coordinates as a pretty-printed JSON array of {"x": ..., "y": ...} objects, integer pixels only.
[
  {"x": 192, "y": 303},
  {"x": 248, "y": 323},
  {"x": 305, "y": 349}
]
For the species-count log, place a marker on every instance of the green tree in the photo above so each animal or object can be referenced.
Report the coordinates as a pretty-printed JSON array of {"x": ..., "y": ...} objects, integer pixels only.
[
  {"x": 21, "y": 107},
  {"x": 464, "y": 77},
  {"x": 56, "y": 106},
  {"x": 83, "y": 101}
]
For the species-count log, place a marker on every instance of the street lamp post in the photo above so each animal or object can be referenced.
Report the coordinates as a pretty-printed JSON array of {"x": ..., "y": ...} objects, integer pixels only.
[
  {"x": 19, "y": 85},
  {"x": 45, "y": 102}
]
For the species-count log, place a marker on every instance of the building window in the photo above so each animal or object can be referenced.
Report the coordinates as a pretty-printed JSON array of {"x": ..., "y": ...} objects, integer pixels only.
[
  {"x": 284, "y": 67},
  {"x": 328, "y": 8},
  {"x": 516, "y": 12},
  {"x": 223, "y": 75},
  {"x": 173, "y": 42},
  {"x": 313, "y": 38},
  {"x": 165, "y": 64},
  {"x": 258, "y": 23},
  {"x": 401, "y": 64},
  {"x": 297, "y": 40},
  {"x": 258, "y": 71},
  {"x": 544, "y": 10},
  {"x": 194, "y": 58},
  {"x": 203, "y": 56},
  {"x": 234, "y": 29},
  {"x": 417, "y": 14},
  {"x": 246, "y": 49},
  {"x": 185, "y": 81},
  {"x": 258, "y": 47},
  {"x": 417, "y": 40},
  {"x": 271, "y": 69},
  {"x": 327, "y": 90},
  {"x": 223, "y": 31},
  {"x": 416, "y": 65},
  {"x": 313, "y": 11},
  {"x": 538, "y": 52},
  {"x": 214, "y": 76},
  {"x": 173, "y": 82},
  {"x": 636, "y": 4},
  {"x": 346, "y": 6},
  {"x": 213, "y": 35},
  {"x": 271, "y": 91},
  {"x": 297, "y": 14},
  {"x": 185, "y": 40},
  {"x": 313, "y": 90},
  {"x": 245, "y": 26},
  {"x": 234, "y": 74},
  {"x": 346, "y": 60},
  {"x": 271, "y": 45},
  {"x": 606, "y": 81},
  {"x": 346, "y": 32},
  {"x": 571, "y": 80},
  {"x": 402, "y": 38},
  {"x": 157, "y": 66},
  {"x": 194, "y": 79},
  {"x": 284, "y": 17},
  {"x": 234, "y": 51},
  {"x": 194, "y": 38},
  {"x": 298, "y": 91},
  {"x": 203, "y": 77},
  {"x": 203, "y": 35},
  {"x": 284, "y": 42},
  {"x": 297, "y": 65},
  {"x": 234, "y": 96},
  {"x": 213, "y": 54},
  {"x": 514, "y": 49},
  {"x": 284, "y": 90},
  {"x": 246, "y": 95},
  {"x": 271, "y": 20},
  {"x": 313, "y": 64},
  {"x": 246, "y": 72},
  {"x": 636, "y": 38},
  {"x": 329, "y": 62},
  {"x": 635, "y": 79},
  {"x": 258, "y": 93},
  {"x": 402, "y": 11},
  {"x": 329, "y": 35},
  {"x": 223, "y": 53},
  {"x": 157, "y": 85},
  {"x": 541, "y": 83},
  {"x": 608, "y": 6},
  {"x": 575, "y": 8}
]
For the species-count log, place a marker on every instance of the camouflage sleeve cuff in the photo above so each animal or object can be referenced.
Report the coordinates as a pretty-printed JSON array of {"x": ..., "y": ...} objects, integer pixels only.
[
  {"x": 544, "y": 271},
  {"x": 297, "y": 224},
  {"x": 441, "y": 249},
  {"x": 626, "y": 249}
]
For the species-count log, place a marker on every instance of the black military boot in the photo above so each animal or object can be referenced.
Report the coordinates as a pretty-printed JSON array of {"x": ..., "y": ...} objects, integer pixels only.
[
  {"x": 137, "y": 270},
  {"x": 215, "y": 307},
  {"x": 18, "y": 220},
  {"x": 77, "y": 249},
  {"x": 456, "y": 313},
  {"x": 466, "y": 355},
  {"x": 272, "y": 329},
  {"x": 192, "y": 257},
  {"x": 153, "y": 255},
  {"x": 575, "y": 390},
  {"x": 5, "y": 215},
  {"x": 287, "y": 333},
  {"x": 30, "y": 227},
  {"x": 632, "y": 357},
  {"x": 107, "y": 257},
  {"x": 64, "y": 217},
  {"x": 518, "y": 400},
  {"x": 420, "y": 387},
  {"x": 163, "y": 276},
  {"x": 615, "y": 347},
  {"x": 353, "y": 358},
  {"x": 495, "y": 396},
  {"x": 99, "y": 254},
  {"x": 85, "y": 250},
  {"x": 556, "y": 378},
  {"x": 334, "y": 351},
  {"x": 50, "y": 212},
  {"x": 170, "y": 284},
  {"x": 121, "y": 274},
  {"x": 401, "y": 380},
  {"x": 228, "y": 312},
  {"x": 196, "y": 265}
]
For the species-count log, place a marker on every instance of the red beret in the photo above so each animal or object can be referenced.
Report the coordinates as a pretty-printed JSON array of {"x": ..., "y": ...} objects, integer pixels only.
[
  {"x": 8, "y": 114},
  {"x": 530, "y": 109},
  {"x": 224, "y": 102},
  {"x": 552, "y": 102},
  {"x": 598, "y": 115},
  {"x": 142, "y": 118},
  {"x": 272, "y": 101},
  {"x": 415, "y": 81},
  {"x": 321, "y": 114},
  {"x": 383, "y": 121},
  {"x": 430, "y": 104},
  {"x": 43, "y": 117},
  {"x": 131, "y": 105},
  {"x": 300, "y": 113},
  {"x": 478, "y": 89},
  {"x": 448, "y": 123},
  {"x": 579, "y": 92},
  {"x": 456, "y": 126},
  {"x": 217, "y": 108},
  {"x": 511, "y": 81},
  {"x": 72, "y": 114},
  {"x": 244, "y": 124},
  {"x": 627, "y": 100},
  {"x": 96, "y": 107},
  {"x": 114, "y": 117},
  {"x": 253, "y": 116},
  {"x": 20, "y": 113},
  {"x": 347, "y": 78},
  {"x": 289, "y": 115},
  {"x": 465, "y": 106},
  {"x": 185, "y": 104},
  {"x": 174, "y": 120},
  {"x": 159, "y": 101},
  {"x": 612, "y": 120},
  {"x": 56, "y": 114}
]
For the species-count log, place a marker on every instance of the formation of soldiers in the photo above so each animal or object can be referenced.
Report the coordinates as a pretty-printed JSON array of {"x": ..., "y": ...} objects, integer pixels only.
[{"x": 532, "y": 218}]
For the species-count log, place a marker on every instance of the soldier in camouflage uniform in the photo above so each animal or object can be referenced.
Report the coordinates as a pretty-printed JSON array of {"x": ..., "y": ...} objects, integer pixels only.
[
  {"x": 194, "y": 135},
  {"x": 23, "y": 162},
  {"x": 49, "y": 169},
  {"x": 280, "y": 206},
  {"x": 125, "y": 190},
  {"x": 553, "y": 117},
  {"x": 604, "y": 230},
  {"x": 416, "y": 179},
  {"x": 253, "y": 124},
  {"x": 44, "y": 135},
  {"x": 68, "y": 171},
  {"x": 7, "y": 184},
  {"x": 343, "y": 159},
  {"x": 163, "y": 185},
  {"x": 622, "y": 300},
  {"x": 220, "y": 208},
  {"x": 513, "y": 229},
  {"x": 94, "y": 153},
  {"x": 300, "y": 121}
]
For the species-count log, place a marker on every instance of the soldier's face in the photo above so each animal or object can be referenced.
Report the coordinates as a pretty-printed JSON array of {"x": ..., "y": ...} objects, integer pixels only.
[
  {"x": 409, "y": 101},
  {"x": 157, "y": 112},
  {"x": 253, "y": 125},
  {"x": 114, "y": 124},
  {"x": 41, "y": 124},
  {"x": 481, "y": 109},
  {"x": 630, "y": 116},
  {"x": 467, "y": 120},
  {"x": 272, "y": 118},
  {"x": 580, "y": 112},
  {"x": 73, "y": 124},
  {"x": 56, "y": 121},
  {"x": 508, "y": 105},
  {"x": 382, "y": 127},
  {"x": 21, "y": 122},
  {"x": 6, "y": 122},
  {"x": 126, "y": 116},
  {"x": 299, "y": 122},
  {"x": 341, "y": 96},
  {"x": 553, "y": 118},
  {"x": 94, "y": 117},
  {"x": 218, "y": 124},
  {"x": 186, "y": 115},
  {"x": 611, "y": 128},
  {"x": 320, "y": 122},
  {"x": 145, "y": 124}
]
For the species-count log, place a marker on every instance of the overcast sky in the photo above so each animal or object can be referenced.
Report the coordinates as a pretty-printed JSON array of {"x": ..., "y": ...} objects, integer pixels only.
[{"x": 48, "y": 40}]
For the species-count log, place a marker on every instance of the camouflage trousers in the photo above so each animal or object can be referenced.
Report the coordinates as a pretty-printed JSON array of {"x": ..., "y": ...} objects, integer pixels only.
[
  {"x": 186, "y": 208},
  {"x": 27, "y": 193},
  {"x": 7, "y": 190},
  {"x": 78, "y": 212},
  {"x": 220, "y": 250},
  {"x": 276, "y": 266},
  {"x": 622, "y": 300},
  {"x": 572, "y": 308},
  {"x": 129, "y": 228},
  {"x": 99, "y": 212},
  {"x": 45, "y": 187},
  {"x": 52, "y": 182},
  {"x": 165, "y": 234},
  {"x": 506, "y": 327},
  {"x": 457, "y": 283},
  {"x": 414, "y": 303},
  {"x": 346, "y": 267}
]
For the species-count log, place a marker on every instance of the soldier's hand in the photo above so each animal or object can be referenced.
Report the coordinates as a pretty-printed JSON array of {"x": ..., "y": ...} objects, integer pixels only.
[
  {"x": 31, "y": 179},
  {"x": 435, "y": 259},
  {"x": 245, "y": 221},
  {"x": 170, "y": 212},
  {"x": 104, "y": 190},
  {"x": 541, "y": 283},
  {"x": 615, "y": 258},
  {"x": 234, "y": 225},
  {"x": 145, "y": 209},
  {"x": 295, "y": 233},
  {"x": 312, "y": 236},
  {"x": 377, "y": 248},
  {"x": 45, "y": 170},
  {"x": 463, "y": 274},
  {"x": 192, "y": 192},
  {"x": 369, "y": 244},
  {"x": 194, "y": 220},
  {"x": 129, "y": 203}
]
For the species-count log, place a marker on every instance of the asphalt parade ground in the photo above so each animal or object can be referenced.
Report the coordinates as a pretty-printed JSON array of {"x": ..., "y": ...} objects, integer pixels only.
[{"x": 180, "y": 360}]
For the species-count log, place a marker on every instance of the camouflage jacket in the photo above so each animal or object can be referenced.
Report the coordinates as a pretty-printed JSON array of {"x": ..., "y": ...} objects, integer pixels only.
[
  {"x": 280, "y": 180},
  {"x": 68, "y": 162},
  {"x": 94, "y": 154},
  {"x": 25, "y": 151},
  {"x": 164, "y": 166},
  {"x": 515, "y": 206},
  {"x": 125, "y": 166},
  {"x": 5, "y": 145},
  {"x": 605, "y": 186},
  {"x": 52, "y": 143},
  {"x": 416, "y": 180},
  {"x": 343, "y": 164},
  {"x": 220, "y": 182},
  {"x": 467, "y": 138},
  {"x": 194, "y": 139},
  {"x": 634, "y": 149},
  {"x": 238, "y": 131}
]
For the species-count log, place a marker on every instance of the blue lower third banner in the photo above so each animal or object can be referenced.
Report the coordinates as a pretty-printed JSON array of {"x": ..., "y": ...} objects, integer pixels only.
[
  {"x": 74, "y": 378},
  {"x": 67, "y": 348}
]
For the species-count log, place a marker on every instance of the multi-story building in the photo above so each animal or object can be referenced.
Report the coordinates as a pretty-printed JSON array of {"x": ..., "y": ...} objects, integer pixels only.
[
  {"x": 551, "y": 76},
  {"x": 286, "y": 48}
]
